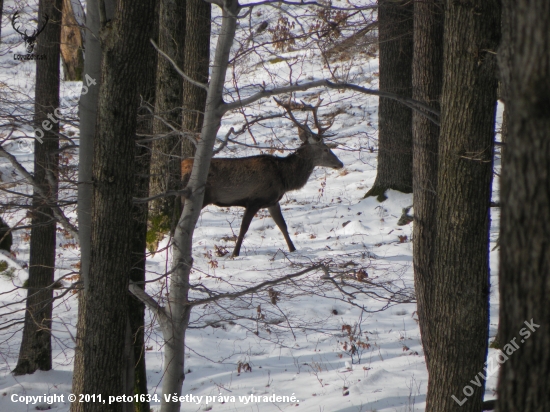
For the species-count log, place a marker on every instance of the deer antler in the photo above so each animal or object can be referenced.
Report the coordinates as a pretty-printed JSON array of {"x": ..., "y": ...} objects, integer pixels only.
[
  {"x": 13, "y": 19},
  {"x": 305, "y": 133},
  {"x": 321, "y": 129}
]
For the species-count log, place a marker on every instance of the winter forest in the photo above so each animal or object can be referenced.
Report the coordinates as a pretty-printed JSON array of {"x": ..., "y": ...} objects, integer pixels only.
[{"x": 274, "y": 205}]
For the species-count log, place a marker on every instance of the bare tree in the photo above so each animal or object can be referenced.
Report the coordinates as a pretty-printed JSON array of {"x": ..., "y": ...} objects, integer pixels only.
[
  {"x": 166, "y": 149},
  {"x": 524, "y": 282},
  {"x": 88, "y": 115},
  {"x": 427, "y": 82},
  {"x": 123, "y": 37},
  {"x": 35, "y": 352},
  {"x": 136, "y": 311},
  {"x": 394, "y": 168},
  {"x": 196, "y": 66},
  {"x": 71, "y": 41},
  {"x": 459, "y": 324}
]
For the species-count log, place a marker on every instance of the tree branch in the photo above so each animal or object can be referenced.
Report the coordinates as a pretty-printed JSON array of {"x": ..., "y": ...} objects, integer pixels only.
[
  {"x": 58, "y": 213},
  {"x": 180, "y": 71},
  {"x": 151, "y": 303},
  {"x": 415, "y": 105},
  {"x": 183, "y": 192},
  {"x": 308, "y": 3},
  {"x": 253, "y": 288}
]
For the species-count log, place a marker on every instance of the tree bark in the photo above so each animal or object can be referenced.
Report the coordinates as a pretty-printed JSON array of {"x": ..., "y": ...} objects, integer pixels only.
[
  {"x": 36, "y": 349},
  {"x": 459, "y": 326},
  {"x": 394, "y": 171},
  {"x": 165, "y": 158},
  {"x": 427, "y": 84},
  {"x": 123, "y": 39},
  {"x": 524, "y": 277},
  {"x": 504, "y": 57},
  {"x": 71, "y": 44},
  {"x": 183, "y": 236},
  {"x": 88, "y": 114},
  {"x": 196, "y": 66},
  {"x": 146, "y": 89}
]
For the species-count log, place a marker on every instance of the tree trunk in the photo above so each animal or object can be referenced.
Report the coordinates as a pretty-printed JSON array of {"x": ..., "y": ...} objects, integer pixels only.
[
  {"x": 459, "y": 326},
  {"x": 525, "y": 216},
  {"x": 36, "y": 349},
  {"x": 196, "y": 66},
  {"x": 123, "y": 39},
  {"x": 183, "y": 237},
  {"x": 395, "y": 22},
  {"x": 165, "y": 158},
  {"x": 71, "y": 44},
  {"x": 427, "y": 84},
  {"x": 88, "y": 114},
  {"x": 504, "y": 57},
  {"x": 146, "y": 89}
]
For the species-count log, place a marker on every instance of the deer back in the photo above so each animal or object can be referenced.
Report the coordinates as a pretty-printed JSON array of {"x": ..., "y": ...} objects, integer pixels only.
[{"x": 241, "y": 181}]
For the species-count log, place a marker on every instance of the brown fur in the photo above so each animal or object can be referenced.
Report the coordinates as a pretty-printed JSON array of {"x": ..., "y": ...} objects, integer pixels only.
[{"x": 259, "y": 182}]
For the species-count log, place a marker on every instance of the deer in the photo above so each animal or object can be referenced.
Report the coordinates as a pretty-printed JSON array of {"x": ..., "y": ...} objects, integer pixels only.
[{"x": 259, "y": 182}]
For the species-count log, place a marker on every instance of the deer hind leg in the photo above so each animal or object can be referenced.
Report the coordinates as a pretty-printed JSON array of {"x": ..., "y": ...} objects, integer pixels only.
[
  {"x": 247, "y": 218},
  {"x": 277, "y": 215}
]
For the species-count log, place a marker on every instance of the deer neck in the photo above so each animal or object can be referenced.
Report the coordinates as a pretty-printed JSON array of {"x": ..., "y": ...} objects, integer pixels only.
[{"x": 297, "y": 171}]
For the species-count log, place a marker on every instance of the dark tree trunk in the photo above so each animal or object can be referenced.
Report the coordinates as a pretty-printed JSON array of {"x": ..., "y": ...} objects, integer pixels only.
[
  {"x": 504, "y": 57},
  {"x": 525, "y": 220},
  {"x": 166, "y": 152},
  {"x": 459, "y": 325},
  {"x": 427, "y": 83},
  {"x": 395, "y": 22},
  {"x": 36, "y": 349},
  {"x": 124, "y": 40},
  {"x": 146, "y": 89},
  {"x": 197, "y": 59}
]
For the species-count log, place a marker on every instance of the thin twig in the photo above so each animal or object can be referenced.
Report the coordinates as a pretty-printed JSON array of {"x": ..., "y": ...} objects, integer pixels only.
[{"x": 177, "y": 68}]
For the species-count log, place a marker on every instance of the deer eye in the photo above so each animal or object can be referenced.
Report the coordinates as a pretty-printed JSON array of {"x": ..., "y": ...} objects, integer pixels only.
[{"x": 326, "y": 150}]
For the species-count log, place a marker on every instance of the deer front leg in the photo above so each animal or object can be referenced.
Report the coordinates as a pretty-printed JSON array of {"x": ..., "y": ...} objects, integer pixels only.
[
  {"x": 277, "y": 215},
  {"x": 247, "y": 218}
]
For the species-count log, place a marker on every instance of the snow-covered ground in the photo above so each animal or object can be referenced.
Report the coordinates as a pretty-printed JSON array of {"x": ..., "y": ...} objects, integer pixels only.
[{"x": 296, "y": 340}]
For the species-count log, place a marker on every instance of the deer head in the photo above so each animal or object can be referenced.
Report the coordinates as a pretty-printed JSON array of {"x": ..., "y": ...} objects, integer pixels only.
[
  {"x": 318, "y": 150},
  {"x": 29, "y": 40}
]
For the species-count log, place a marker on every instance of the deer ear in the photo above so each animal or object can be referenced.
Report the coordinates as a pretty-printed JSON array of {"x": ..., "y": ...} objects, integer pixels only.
[{"x": 308, "y": 137}]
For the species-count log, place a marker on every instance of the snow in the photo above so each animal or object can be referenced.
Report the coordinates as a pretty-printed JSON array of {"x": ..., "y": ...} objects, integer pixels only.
[{"x": 299, "y": 346}]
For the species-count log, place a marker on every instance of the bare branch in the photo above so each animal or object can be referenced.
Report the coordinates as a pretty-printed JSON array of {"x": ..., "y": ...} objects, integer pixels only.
[
  {"x": 254, "y": 289},
  {"x": 184, "y": 193},
  {"x": 58, "y": 213},
  {"x": 416, "y": 105},
  {"x": 176, "y": 67},
  {"x": 308, "y": 3},
  {"x": 245, "y": 127},
  {"x": 151, "y": 303}
]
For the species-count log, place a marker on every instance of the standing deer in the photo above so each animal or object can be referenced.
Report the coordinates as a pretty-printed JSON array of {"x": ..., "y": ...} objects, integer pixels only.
[{"x": 259, "y": 182}]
